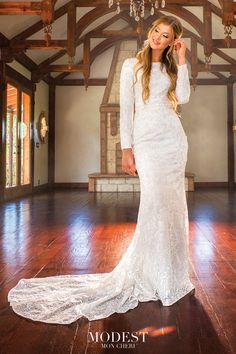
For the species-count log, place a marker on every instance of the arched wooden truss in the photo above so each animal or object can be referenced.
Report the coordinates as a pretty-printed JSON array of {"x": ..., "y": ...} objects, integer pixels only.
[{"x": 17, "y": 47}]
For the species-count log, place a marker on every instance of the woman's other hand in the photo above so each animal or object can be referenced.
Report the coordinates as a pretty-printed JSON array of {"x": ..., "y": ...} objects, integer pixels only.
[{"x": 128, "y": 162}]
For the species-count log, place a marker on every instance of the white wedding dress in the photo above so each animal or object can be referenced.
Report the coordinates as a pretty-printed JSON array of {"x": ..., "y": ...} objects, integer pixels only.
[{"x": 155, "y": 265}]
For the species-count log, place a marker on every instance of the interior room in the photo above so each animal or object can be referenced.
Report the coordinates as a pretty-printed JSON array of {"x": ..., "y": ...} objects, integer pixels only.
[{"x": 69, "y": 208}]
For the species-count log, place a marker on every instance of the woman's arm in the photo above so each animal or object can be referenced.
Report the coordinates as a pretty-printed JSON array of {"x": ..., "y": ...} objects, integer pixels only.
[
  {"x": 126, "y": 104},
  {"x": 182, "y": 90}
]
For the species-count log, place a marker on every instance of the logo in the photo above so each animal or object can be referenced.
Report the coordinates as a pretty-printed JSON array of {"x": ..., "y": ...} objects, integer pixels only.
[{"x": 118, "y": 340}]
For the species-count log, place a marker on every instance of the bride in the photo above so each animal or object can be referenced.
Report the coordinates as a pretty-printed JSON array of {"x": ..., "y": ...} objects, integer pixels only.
[{"x": 154, "y": 146}]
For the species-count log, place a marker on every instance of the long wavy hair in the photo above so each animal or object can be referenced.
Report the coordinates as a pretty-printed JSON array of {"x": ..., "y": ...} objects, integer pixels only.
[{"x": 144, "y": 57}]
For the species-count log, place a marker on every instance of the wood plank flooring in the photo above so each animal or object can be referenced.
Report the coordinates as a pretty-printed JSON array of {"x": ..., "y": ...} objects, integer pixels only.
[{"x": 75, "y": 232}]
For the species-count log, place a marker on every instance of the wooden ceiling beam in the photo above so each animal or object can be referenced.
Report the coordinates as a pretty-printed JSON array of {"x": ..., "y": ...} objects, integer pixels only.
[
  {"x": 93, "y": 3},
  {"x": 58, "y": 13},
  {"x": 224, "y": 56},
  {"x": 217, "y": 43},
  {"x": 22, "y": 58},
  {"x": 89, "y": 18},
  {"x": 103, "y": 82},
  {"x": 228, "y": 11},
  {"x": 94, "y": 14},
  {"x": 71, "y": 30},
  {"x": 99, "y": 49},
  {"x": 65, "y": 68},
  {"x": 43, "y": 8},
  {"x": 110, "y": 42},
  {"x": 194, "y": 59},
  {"x": 107, "y": 43},
  {"x": 80, "y": 41},
  {"x": 218, "y": 12},
  {"x": 188, "y": 33},
  {"x": 47, "y": 13},
  {"x": 36, "y": 7},
  {"x": 37, "y": 44},
  {"x": 207, "y": 82},
  {"x": 220, "y": 43},
  {"x": 39, "y": 25},
  {"x": 217, "y": 67},
  {"x": 62, "y": 44},
  {"x": 207, "y": 23},
  {"x": 83, "y": 23},
  {"x": 80, "y": 82},
  {"x": 215, "y": 50},
  {"x": 8, "y": 55},
  {"x": 186, "y": 15},
  {"x": 114, "y": 33},
  {"x": 20, "y": 8},
  {"x": 64, "y": 9},
  {"x": 86, "y": 60},
  {"x": 38, "y": 74}
]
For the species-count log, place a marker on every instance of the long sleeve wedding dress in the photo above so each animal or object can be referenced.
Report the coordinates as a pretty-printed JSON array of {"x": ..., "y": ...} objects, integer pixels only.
[{"x": 155, "y": 264}]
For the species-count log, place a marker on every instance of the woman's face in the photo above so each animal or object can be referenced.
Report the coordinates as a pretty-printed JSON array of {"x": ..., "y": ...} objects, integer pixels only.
[{"x": 161, "y": 37}]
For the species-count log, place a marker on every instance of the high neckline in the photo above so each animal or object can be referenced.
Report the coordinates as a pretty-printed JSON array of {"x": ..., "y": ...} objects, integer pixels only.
[{"x": 156, "y": 62}]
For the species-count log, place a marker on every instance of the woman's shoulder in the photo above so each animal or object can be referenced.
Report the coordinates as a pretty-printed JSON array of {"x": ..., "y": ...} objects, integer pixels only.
[{"x": 130, "y": 61}]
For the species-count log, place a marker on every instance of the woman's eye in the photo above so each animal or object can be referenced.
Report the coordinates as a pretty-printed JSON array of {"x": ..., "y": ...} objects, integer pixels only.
[{"x": 163, "y": 34}]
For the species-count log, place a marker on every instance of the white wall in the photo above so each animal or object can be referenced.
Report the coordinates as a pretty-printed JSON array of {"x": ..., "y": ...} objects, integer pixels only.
[
  {"x": 77, "y": 132},
  {"x": 205, "y": 124}
]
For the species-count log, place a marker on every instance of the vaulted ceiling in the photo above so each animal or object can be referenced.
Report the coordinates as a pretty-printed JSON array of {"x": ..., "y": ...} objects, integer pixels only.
[{"x": 58, "y": 40}]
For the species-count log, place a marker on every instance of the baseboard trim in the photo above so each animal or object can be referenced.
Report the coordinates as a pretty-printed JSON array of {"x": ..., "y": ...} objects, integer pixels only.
[
  {"x": 199, "y": 185},
  {"x": 79, "y": 185},
  {"x": 40, "y": 188},
  {"x": 85, "y": 185}
]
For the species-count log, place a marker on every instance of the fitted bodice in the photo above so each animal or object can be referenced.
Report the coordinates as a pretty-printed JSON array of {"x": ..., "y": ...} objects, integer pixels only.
[{"x": 159, "y": 85}]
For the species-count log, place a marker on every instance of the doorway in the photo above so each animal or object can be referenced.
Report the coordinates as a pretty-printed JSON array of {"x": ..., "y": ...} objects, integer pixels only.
[{"x": 18, "y": 142}]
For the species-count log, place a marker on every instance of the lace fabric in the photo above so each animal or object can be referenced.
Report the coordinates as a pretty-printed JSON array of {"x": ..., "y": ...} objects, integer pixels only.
[{"x": 155, "y": 264}]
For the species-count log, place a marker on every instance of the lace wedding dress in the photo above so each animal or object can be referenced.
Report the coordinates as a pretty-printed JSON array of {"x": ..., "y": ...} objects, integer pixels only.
[{"x": 155, "y": 265}]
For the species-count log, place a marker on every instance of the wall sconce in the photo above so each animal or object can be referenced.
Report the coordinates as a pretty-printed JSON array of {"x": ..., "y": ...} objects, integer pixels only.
[{"x": 234, "y": 126}]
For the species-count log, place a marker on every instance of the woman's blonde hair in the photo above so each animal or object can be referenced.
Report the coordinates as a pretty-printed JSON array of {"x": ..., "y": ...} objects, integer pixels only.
[{"x": 144, "y": 57}]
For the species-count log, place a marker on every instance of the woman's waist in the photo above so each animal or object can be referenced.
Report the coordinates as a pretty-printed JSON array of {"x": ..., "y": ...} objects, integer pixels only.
[
  {"x": 155, "y": 114},
  {"x": 158, "y": 132},
  {"x": 158, "y": 121},
  {"x": 153, "y": 108}
]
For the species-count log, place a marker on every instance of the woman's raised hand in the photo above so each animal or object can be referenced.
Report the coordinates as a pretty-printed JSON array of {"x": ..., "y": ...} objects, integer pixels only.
[
  {"x": 128, "y": 162},
  {"x": 180, "y": 47}
]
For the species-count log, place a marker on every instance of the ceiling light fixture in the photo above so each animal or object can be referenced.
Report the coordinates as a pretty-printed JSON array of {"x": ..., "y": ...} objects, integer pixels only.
[{"x": 137, "y": 7}]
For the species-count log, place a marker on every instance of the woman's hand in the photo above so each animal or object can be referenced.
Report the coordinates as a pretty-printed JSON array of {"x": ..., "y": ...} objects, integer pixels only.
[
  {"x": 180, "y": 48},
  {"x": 128, "y": 162}
]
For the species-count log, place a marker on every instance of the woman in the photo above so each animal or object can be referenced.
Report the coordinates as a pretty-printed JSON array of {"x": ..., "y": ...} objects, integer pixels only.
[{"x": 155, "y": 265}]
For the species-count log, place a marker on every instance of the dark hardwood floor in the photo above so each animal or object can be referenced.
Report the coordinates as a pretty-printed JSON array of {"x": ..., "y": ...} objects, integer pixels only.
[{"x": 75, "y": 232}]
